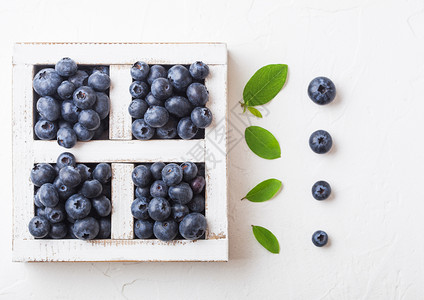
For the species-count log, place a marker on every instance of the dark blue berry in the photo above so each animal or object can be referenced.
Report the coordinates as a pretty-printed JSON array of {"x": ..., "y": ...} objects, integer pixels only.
[
  {"x": 84, "y": 171},
  {"x": 37, "y": 200},
  {"x": 66, "y": 137},
  {"x": 169, "y": 130},
  {"x": 104, "y": 228},
  {"x": 189, "y": 170},
  {"x": 159, "y": 209},
  {"x": 58, "y": 230},
  {"x": 89, "y": 119},
  {"x": 197, "y": 184},
  {"x": 172, "y": 174},
  {"x": 137, "y": 108},
  {"x": 159, "y": 189},
  {"x": 141, "y": 176},
  {"x": 152, "y": 101},
  {"x": 39, "y": 227},
  {"x": 46, "y": 82},
  {"x": 179, "y": 211},
  {"x": 161, "y": 88},
  {"x": 63, "y": 190},
  {"x": 99, "y": 81},
  {"x": 77, "y": 206},
  {"x": 83, "y": 134},
  {"x": 102, "y": 206},
  {"x": 181, "y": 193},
  {"x": 91, "y": 188},
  {"x": 139, "y": 89},
  {"x": 48, "y": 108},
  {"x": 201, "y": 117},
  {"x": 86, "y": 229},
  {"x": 70, "y": 111},
  {"x": 178, "y": 106},
  {"x": 102, "y": 172},
  {"x": 45, "y": 130},
  {"x": 102, "y": 105},
  {"x": 321, "y": 190},
  {"x": 143, "y": 229},
  {"x": 193, "y": 226},
  {"x": 48, "y": 195},
  {"x": 42, "y": 173},
  {"x": 84, "y": 97},
  {"x": 66, "y": 67},
  {"x": 139, "y": 208},
  {"x": 179, "y": 77},
  {"x": 66, "y": 90},
  {"x": 66, "y": 159},
  {"x": 70, "y": 176},
  {"x": 156, "y": 169},
  {"x": 322, "y": 90},
  {"x": 320, "y": 238},
  {"x": 141, "y": 192},
  {"x": 139, "y": 71},
  {"x": 199, "y": 70},
  {"x": 156, "y": 71},
  {"x": 186, "y": 129},
  {"x": 79, "y": 79},
  {"x": 320, "y": 141},
  {"x": 197, "y": 94},
  {"x": 141, "y": 130},
  {"x": 55, "y": 214},
  {"x": 197, "y": 204},
  {"x": 156, "y": 116},
  {"x": 165, "y": 230}
]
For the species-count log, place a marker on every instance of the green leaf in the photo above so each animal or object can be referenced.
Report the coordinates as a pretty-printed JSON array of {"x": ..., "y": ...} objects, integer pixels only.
[
  {"x": 262, "y": 142},
  {"x": 264, "y": 190},
  {"x": 266, "y": 239},
  {"x": 265, "y": 84},
  {"x": 254, "y": 111}
]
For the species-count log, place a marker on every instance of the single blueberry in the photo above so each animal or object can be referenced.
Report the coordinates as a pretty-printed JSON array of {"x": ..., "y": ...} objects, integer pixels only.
[
  {"x": 63, "y": 190},
  {"x": 45, "y": 130},
  {"x": 169, "y": 130},
  {"x": 69, "y": 111},
  {"x": 193, "y": 226},
  {"x": 46, "y": 82},
  {"x": 58, "y": 230},
  {"x": 102, "y": 172},
  {"x": 320, "y": 238},
  {"x": 156, "y": 71},
  {"x": 55, "y": 214},
  {"x": 104, "y": 228},
  {"x": 156, "y": 169},
  {"x": 37, "y": 202},
  {"x": 143, "y": 229},
  {"x": 199, "y": 70},
  {"x": 70, "y": 176},
  {"x": 161, "y": 88},
  {"x": 159, "y": 189},
  {"x": 172, "y": 174},
  {"x": 197, "y": 184},
  {"x": 102, "y": 105},
  {"x": 66, "y": 159},
  {"x": 139, "y": 89},
  {"x": 66, "y": 90},
  {"x": 159, "y": 209},
  {"x": 179, "y": 211},
  {"x": 141, "y": 176},
  {"x": 143, "y": 192},
  {"x": 139, "y": 208},
  {"x": 79, "y": 79},
  {"x": 186, "y": 129},
  {"x": 156, "y": 116},
  {"x": 139, "y": 71},
  {"x": 48, "y": 108},
  {"x": 179, "y": 77},
  {"x": 181, "y": 193},
  {"x": 89, "y": 119},
  {"x": 189, "y": 170},
  {"x": 66, "y": 67},
  {"x": 66, "y": 137},
  {"x": 141, "y": 130},
  {"x": 320, "y": 141},
  {"x": 77, "y": 206},
  {"x": 86, "y": 229},
  {"x": 321, "y": 190},
  {"x": 84, "y": 97},
  {"x": 197, "y": 204},
  {"x": 322, "y": 90},
  {"x": 152, "y": 101},
  {"x": 197, "y": 94},
  {"x": 42, "y": 173},
  {"x": 99, "y": 81},
  {"x": 39, "y": 227},
  {"x": 84, "y": 171},
  {"x": 201, "y": 117},
  {"x": 48, "y": 195},
  {"x": 178, "y": 106},
  {"x": 166, "y": 230},
  {"x": 137, "y": 108},
  {"x": 91, "y": 188},
  {"x": 83, "y": 134},
  {"x": 102, "y": 206}
]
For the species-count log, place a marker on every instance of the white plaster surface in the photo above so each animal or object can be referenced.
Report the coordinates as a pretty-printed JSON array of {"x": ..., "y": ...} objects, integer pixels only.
[{"x": 373, "y": 51}]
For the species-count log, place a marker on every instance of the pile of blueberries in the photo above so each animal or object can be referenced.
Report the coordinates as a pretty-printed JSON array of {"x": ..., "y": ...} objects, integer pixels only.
[
  {"x": 73, "y": 104},
  {"x": 71, "y": 200},
  {"x": 169, "y": 102},
  {"x": 170, "y": 201}
]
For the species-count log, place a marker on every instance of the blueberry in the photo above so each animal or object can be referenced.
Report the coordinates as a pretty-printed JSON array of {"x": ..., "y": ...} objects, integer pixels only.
[
  {"x": 63, "y": 123},
  {"x": 321, "y": 190},
  {"x": 42, "y": 173},
  {"x": 139, "y": 208},
  {"x": 197, "y": 204},
  {"x": 197, "y": 94},
  {"x": 197, "y": 184},
  {"x": 320, "y": 141},
  {"x": 320, "y": 238},
  {"x": 178, "y": 106},
  {"x": 48, "y": 195},
  {"x": 66, "y": 159},
  {"x": 91, "y": 188},
  {"x": 172, "y": 174},
  {"x": 137, "y": 108},
  {"x": 201, "y": 117},
  {"x": 70, "y": 176},
  {"x": 40, "y": 212},
  {"x": 141, "y": 176},
  {"x": 84, "y": 171},
  {"x": 77, "y": 206},
  {"x": 58, "y": 230},
  {"x": 159, "y": 209},
  {"x": 186, "y": 129},
  {"x": 102, "y": 105},
  {"x": 141, "y": 130},
  {"x": 39, "y": 227},
  {"x": 143, "y": 192},
  {"x": 102, "y": 206},
  {"x": 181, "y": 193},
  {"x": 169, "y": 130},
  {"x": 156, "y": 169},
  {"x": 83, "y": 134},
  {"x": 104, "y": 228},
  {"x": 46, "y": 82},
  {"x": 189, "y": 170},
  {"x": 139, "y": 89},
  {"x": 99, "y": 81},
  {"x": 143, "y": 229},
  {"x": 55, "y": 214},
  {"x": 322, "y": 90},
  {"x": 66, "y": 90},
  {"x": 156, "y": 71},
  {"x": 70, "y": 111},
  {"x": 193, "y": 226},
  {"x": 66, "y": 67},
  {"x": 139, "y": 71},
  {"x": 179, "y": 211},
  {"x": 84, "y": 97},
  {"x": 156, "y": 116},
  {"x": 37, "y": 202},
  {"x": 63, "y": 191},
  {"x": 102, "y": 172},
  {"x": 151, "y": 100},
  {"x": 86, "y": 229},
  {"x": 166, "y": 230},
  {"x": 78, "y": 79},
  {"x": 66, "y": 137},
  {"x": 48, "y": 108},
  {"x": 199, "y": 70},
  {"x": 161, "y": 88},
  {"x": 159, "y": 189},
  {"x": 89, "y": 119},
  {"x": 45, "y": 130},
  {"x": 179, "y": 77}
]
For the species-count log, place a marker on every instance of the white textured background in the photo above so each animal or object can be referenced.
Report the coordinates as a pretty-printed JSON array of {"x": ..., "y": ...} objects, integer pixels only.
[{"x": 373, "y": 51}]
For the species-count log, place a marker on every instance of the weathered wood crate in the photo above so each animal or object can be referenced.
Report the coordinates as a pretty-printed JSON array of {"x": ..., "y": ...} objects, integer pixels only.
[{"x": 122, "y": 152}]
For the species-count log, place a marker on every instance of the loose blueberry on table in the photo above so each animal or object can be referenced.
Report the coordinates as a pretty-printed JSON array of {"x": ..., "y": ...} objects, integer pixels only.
[
  {"x": 73, "y": 104},
  {"x": 169, "y": 102},
  {"x": 320, "y": 141},
  {"x": 170, "y": 201},
  {"x": 321, "y": 190},
  {"x": 71, "y": 200},
  {"x": 320, "y": 238},
  {"x": 322, "y": 90}
]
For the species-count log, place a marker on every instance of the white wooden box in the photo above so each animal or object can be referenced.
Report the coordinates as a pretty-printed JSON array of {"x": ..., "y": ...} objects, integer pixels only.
[{"x": 122, "y": 152}]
